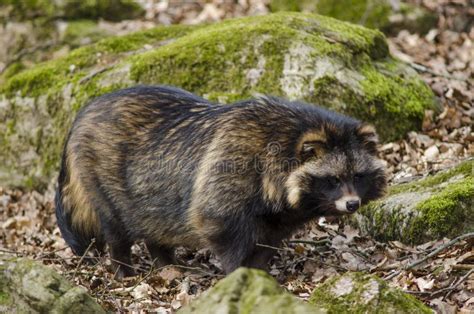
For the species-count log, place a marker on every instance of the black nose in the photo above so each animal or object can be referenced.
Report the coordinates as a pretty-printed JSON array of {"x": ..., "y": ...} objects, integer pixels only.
[{"x": 352, "y": 205}]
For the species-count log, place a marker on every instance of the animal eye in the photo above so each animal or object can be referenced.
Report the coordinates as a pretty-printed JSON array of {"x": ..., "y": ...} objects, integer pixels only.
[{"x": 333, "y": 181}]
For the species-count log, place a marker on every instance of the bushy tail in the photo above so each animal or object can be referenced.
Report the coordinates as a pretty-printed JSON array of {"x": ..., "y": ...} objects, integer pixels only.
[
  {"x": 76, "y": 219},
  {"x": 78, "y": 242},
  {"x": 74, "y": 240}
]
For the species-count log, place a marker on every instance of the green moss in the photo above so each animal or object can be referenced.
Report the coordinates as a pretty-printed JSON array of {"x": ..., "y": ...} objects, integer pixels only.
[
  {"x": 28, "y": 9},
  {"x": 273, "y": 35},
  {"x": 76, "y": 31},
  {"x": 432, "y": 208},
  {"x": 248, "y": 291},
  {"x": 35, "y": 288},
  {"x": 384, "y": 93},
  {"x": 53, "y": 75},
  {"x": 377, "y": 14},
  {"x": 369, "y": 13},
  {"x": 446, "y": 212},
  {"x": 4, "y": 298},
  {"x": 114, "y": 10},
  {"x": 384, "y": 225},
  {"x": 12, "y": 70},
  {"x": 361, "y": 298},
  {"x": 285, "y": 5},
  {"x": 217, "y": 56},
  {"x": 51, "y": 78}
]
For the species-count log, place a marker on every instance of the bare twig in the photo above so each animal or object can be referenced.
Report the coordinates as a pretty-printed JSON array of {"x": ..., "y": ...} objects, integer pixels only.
[
  {"x": 17, "y": 253},
  {"x": 432, "y": 254},
  {"x": 274, "y": 248},
  {"x": 424, "y": 293},
  {"x": 315, "y": 243},
  {"x": 463, "y": 266},
  {"x": 125, "y": 264},
  {"x": 82, "y": 257},
  {"x": 44, "y": 255},
  {"x": 422, "y": 68},
  {"x": 460, "y": 281},
  {"x": 193, "y": 268},
  {"x": 95, "y": 73},
  {"x": 143, "y": 278}
]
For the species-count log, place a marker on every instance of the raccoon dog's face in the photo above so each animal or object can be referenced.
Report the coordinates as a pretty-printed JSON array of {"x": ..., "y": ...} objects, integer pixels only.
[{"x": 338, "y": 171}]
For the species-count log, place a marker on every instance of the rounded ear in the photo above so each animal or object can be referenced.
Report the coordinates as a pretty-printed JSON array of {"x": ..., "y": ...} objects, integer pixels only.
[
  {"x": 368, "y": 137},
  {"x": 311, "y": 144},
  {"x": 311, "y": 149}
]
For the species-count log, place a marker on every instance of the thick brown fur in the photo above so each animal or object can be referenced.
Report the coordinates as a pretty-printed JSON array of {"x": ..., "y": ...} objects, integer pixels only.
[{"x": 165, "y": 166}]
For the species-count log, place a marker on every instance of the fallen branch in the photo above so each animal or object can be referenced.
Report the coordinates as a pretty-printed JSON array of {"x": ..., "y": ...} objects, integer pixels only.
[
  {"x": 463, "y": 266},
  {"x": 274, "y": 248},
  {"x": 315, "y": 243},
  {"x": 463, "y": 278},
  {"x": 432, "y": 254},
  {"x": 422, "y": 68},
  {"x": 82, "y": 257},
  {"x": 17, "y": 253}
]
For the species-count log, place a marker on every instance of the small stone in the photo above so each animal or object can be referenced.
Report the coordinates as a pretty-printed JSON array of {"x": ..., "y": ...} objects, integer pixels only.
[
  {"x": 396, "y": 147},
  {"x": 444, "y": 147},
  {"x": 343, "y": 287},
  {"x": 424, "y": 140},
  {"x": 176, "y": 304},
  {"x": 431, "y": 153},
  {"x": 371, "y": 291},
  {"x": 387, "y": 148},
  {"x": 9, "y": 223},
  {"x": 457, "y": 149}
]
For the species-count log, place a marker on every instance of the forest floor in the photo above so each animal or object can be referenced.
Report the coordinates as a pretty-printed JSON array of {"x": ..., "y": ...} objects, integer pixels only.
[{"x": 443, "y": 279}]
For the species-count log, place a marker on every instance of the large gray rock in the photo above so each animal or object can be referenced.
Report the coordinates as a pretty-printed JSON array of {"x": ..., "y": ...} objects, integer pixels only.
[
  {"x": 248, "y": 291},
  {"x": 29, "y": 287},
  {"x": 34, "y": 31},
  {"x": 431, "y": 208},
  {"x": 390, "y": 16},
  {"x": 364, "y": 293},
  {"x": 299, "y": 56},
  {"x": 254, "y": 291},
  {"x": 115, "y": 10}
]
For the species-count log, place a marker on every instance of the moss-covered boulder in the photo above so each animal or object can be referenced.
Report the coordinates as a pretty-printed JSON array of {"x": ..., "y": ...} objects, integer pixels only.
[
  {"x": 114, "y": 10},
  {"x": 431, "y": 208},
  {"x": 22, "y": 44},
  {"x": 388, "y": 16},
  {"x": 364, "y": 293},
  {"x": 38, "y": 30},
  {"x": 29, "y": 287},
  {"x": 248, "y": 291},
  {"x": 299, "y": 56},
  {"x": 254, "y": 291}
]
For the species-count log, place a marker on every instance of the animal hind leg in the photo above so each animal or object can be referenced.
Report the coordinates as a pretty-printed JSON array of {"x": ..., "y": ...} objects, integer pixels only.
[
  {"x": 118, "y": 241},
  {"x": 161, "y": 255},
  {"x": 259, "y": 258},
  {"x": 120, "y": 253},
  {"x": 232, "y": 252}
]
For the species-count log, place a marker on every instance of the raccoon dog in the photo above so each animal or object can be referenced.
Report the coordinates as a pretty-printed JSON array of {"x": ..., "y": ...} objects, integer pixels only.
[{"x": 159, "y": 164}]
